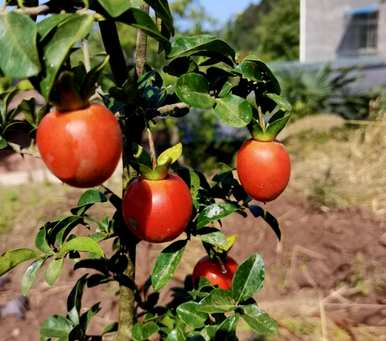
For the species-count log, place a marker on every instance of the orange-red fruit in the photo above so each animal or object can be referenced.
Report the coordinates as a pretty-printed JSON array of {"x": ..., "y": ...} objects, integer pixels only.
[
  {"x": 81, "y": 147},
  {"x": 157, "y": 210},
  {"x": 214, "y": 272},
  {"x": 263, "y": 169}
]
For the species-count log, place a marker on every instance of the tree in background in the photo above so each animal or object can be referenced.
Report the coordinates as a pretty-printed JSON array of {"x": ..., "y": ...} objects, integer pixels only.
[{"x": 270, "y": 29}]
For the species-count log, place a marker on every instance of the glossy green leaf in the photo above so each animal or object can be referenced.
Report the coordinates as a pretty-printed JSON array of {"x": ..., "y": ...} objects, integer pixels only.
[
  {"x": 3, "y": 143},
  {"x": 166, "y": 264},
  {"x": 115, "y": 7},
  {"x": 228, "y": 326},
  {"x": 258, "y": 211},
  {"x": 46, "y": 26},
  {"x": 12, "y": 258},
  {"x": 248, "y": 279},
  {"x": 193, "y": 89},
  {"x": 234, "y": 111},
  {"x": 184, "y": 46},
  {"x": 110, "y": 328},
  {"x": 19, "y": 55},
  {"x": 142, "y": 332},
  {"x": 53, "y": 270},
  {"x": 143, "y": 21},
  {"x": 256, "y": 71},
  {"x": 161, "y": 7},
  {"x": 56, "y": 50},
  {"x": 88, "y": 198},
  {"x": 170, "y": 155},
  {"x": 41, "y": 240},
  {"x": 218, "y": 301},
  {"x": 281, "y": 102},
  {"x": 189, "y": 313},
  {"x": 58, "y": 233},
  {"x": 81, "y": 244},
  {"x": 213, "y": 237},
  {"x": 56, "y": 326},
  {"x": 30, "y": 276},
  {"x": 258, "y": 320},
  {"x": 275, "y": 127},
  {"x": 215, "y": 212},
  {"x": 74, "y": 299},
  {"x": 176, "y": 335}
]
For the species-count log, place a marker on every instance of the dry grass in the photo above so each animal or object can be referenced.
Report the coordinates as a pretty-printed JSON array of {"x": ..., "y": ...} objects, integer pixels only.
[{"x": 342, "y": 167}]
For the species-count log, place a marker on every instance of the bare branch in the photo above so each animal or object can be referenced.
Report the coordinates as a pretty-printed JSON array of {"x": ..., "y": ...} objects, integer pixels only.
[
  {"x": 171, "y": 107},
  {"x": 141, "y": 47},
  {"x": 34, "y": 11}
]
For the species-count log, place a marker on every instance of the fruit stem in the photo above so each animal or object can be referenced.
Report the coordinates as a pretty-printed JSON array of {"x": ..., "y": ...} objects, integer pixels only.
[
  {"x": 261, "y": 118},
  {"x": 153, "y": 154}
]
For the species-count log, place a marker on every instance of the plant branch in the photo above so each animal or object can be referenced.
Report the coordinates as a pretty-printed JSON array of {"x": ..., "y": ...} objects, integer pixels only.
[
  {"x": 153, "y": 154},
  {"x": 171, "y": 107},
  {"x": 141, "y": 47},
  {"x": 34, "y": 11}
]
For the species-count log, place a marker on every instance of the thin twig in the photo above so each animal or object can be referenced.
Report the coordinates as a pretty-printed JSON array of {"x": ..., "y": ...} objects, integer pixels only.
[
  {"x": 34, "y": 11},
  {"x": 171, "y": 107},
  {"x": 153, "y": 154},
  {"x": 141, "y": 47},
  {"x": 86, "y": 55}
]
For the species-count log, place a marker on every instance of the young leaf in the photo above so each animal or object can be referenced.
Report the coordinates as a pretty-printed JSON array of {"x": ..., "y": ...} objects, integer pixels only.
[
  {"x": 275, "y": 127},
  {"x": 170, "y": 155},
  {"x": 176, "y": 335},
  {"x": 56, "y": 50},
  {"x": 234, "y": 111},
  {"x": 189, "y": 313},
  {"x": 56, "y": 326},
  {"x": 12, "y": 258},
  {"x": 259, "y": 320},
  {"x": 248, "y": 279},
  {"x": 193, "y": 89},
  {"x": 218, "y": 301},
  {"x": 74, "y": 299},
  {"x": 53, "y": 270},
  {"x": 166, "y": 264},
  {"x": 215, "y": 237},
  {"x": 19, "y": 55},
  {"x": 215, "y": 212},
  {"x": 41, "y": 239},
  {"x": 81, "y": 244},
  {"x": 281, "y": 102},
  {"x": 161, "y": 7},
  {"x": 91, "y": 197},
  {"x": 30, "y": 276}
]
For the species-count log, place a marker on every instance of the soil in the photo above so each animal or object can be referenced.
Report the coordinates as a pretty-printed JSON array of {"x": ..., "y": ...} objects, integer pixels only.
[{"x": 326, "y": 278}]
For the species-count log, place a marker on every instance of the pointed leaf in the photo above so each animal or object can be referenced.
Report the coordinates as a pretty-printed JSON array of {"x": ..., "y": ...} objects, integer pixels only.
[
  {"x": 170, "y": 155},
  {"x": 41, "y": 240},
  {"x": 281, "y": 102},
  {"x": 189, "y": 313},
  {"x": 161, "y": 7},
  {"x": 215, "y": 212},
  {"x": 56, "y": 50},
  {"x": 166, "y": 264},
  {"x": 115, "y": 7},
  {"x": 46, "y": 26},
  {"x": 248, "y": 279},
  {"x": 30, "y": 276},
  {"x": 74, "y": 299},
  {"x": 193, "y": 89},
  {"x": 53, "y": 270},
  {"x": 81, "y": 244},
  {"x": 258, "y": 211},
  {"x": 176, "y": 335},
  {"x": 56, "y": 326},
  {"x": 218, "y": 301},
  {"x": 12, "y": 258},
  {"x": 275, "y": 127},
  {"x": 19, "y": 56},
  {"x": 234, "y": 111},
  {"x": 258, "y": 320}
]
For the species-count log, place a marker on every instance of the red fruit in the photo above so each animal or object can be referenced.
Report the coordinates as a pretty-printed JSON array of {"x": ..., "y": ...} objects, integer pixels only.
[
  {"x": 157, "y": 210},
  {"x": 81, "y": 147},
  {"x": 263, "y": 169},
  {"x": 215, "y": 272}
]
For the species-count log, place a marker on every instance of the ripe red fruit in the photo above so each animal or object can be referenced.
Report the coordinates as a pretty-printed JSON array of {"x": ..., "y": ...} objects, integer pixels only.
[
  {"x": 81, "y": 147},
  {"x": 214, "y": 272},
  {"x": 157, "y": 210},
  {"x": 263, "y": 169}
]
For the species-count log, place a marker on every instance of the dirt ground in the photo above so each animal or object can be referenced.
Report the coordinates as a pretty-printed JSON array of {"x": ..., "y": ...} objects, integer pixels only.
[{"x": 326, "y": 280}]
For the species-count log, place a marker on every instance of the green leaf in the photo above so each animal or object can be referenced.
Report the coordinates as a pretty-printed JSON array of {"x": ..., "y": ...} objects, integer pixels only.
[
  {"x": 12, "y": 258},
  {"x": 53, "y": 270},
  {"x": 115, "y": 7},
  {"x": 218, "y": 301},
  {"x": 41, "y": 240},
  {"x": 175, "y": 335},
  {"x": 143, "y": 332},
  {"x": 193, "y": 89},
  {"x": 214, "y": 237},
  {"x": 56, "y": 326},
  {"x": 141, "y": 155},
  {"x": 46, "y": 26},
  {"x": 258, "y": 211},
  {"x": 161, "y": 7},
  {"x": 281, "y": 102},
  {"x": 91, "y": 197},
  {"x": 19, "y": 56},
  {"x": 3, "y": 143},
  {"x": 141, "y": 20},
  {"x": 166, "y": 264},
  {"x": 228, "y": 326},
  {"x": 234, "y": 111},
  {"x": 215, "y": 212},
  {"x": 30, "y": 276},
  {"x": 189, "y": 313},
  {"x": 81, "y": 244},
  {"x": 170, "y": 155},
  {"x": 256, "y": 71},
  {"x": 248, "y": 279},
  {"x": 259, "y": 320},
  {"x": 56, "y": 50},
  {"x": 185, "y": 46},
  {"x": 110, "y": 328},
  {"x": 74, "y": 299},
  {"x": 275, "y": 127},
  {"x": 58, "y": 233}
]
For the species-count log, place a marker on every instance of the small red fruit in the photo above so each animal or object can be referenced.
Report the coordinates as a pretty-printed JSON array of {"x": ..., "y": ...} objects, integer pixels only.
[
  {"x": 215, "y": 272},
  {"x": 81, "y": 147},
  {"x": 263, "y": 169},
  {"x": 157, "y": 210}
]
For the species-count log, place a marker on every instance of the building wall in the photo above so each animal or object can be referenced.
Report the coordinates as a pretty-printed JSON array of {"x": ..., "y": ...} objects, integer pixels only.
[{"x": 323, "y": 26}]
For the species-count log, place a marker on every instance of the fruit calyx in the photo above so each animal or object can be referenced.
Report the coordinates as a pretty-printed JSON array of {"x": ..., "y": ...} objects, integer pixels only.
[{"x": 156, "y": 169}]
